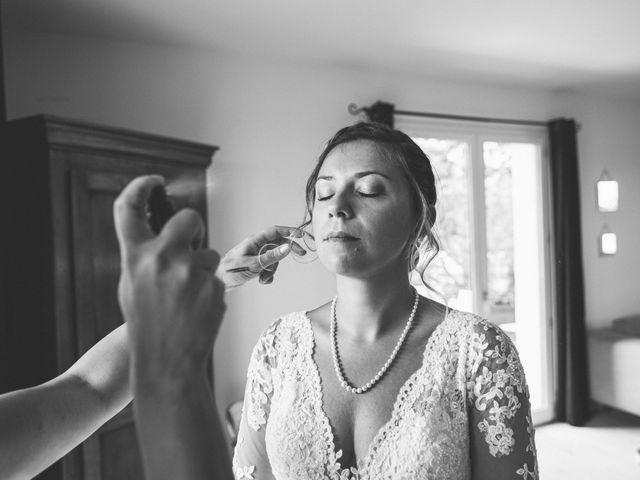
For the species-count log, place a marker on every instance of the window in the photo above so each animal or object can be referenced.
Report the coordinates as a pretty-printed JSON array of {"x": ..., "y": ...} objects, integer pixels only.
[{"x": 494, "y": 231}]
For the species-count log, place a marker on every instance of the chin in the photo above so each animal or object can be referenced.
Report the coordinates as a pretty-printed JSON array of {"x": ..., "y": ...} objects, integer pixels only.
[
  {"x": 357, "y": 265},
  {"x": 345, "y": 265},
  {"x": 348, "y": 266}
]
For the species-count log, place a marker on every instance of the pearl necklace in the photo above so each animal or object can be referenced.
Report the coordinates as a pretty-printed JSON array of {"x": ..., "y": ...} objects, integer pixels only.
[{"x": 334, "y": 350}]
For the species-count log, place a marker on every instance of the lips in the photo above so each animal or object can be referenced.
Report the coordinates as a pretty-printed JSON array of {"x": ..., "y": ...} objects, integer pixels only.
[{"x": 340, "y": 236}]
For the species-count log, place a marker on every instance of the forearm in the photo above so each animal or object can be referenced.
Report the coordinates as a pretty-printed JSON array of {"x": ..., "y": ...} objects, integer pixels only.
[
  {"x": 179, "y": 430},
  {"x": 105, "y": 371},
  {"x": 41, "y": 424}
]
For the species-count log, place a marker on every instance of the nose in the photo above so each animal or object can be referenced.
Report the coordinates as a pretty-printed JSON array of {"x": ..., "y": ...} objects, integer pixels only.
[{"x": 339, "y": 207}]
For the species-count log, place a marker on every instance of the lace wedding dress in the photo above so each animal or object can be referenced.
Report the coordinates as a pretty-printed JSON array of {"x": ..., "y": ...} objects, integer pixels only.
[{"x": 468, "y": 400}]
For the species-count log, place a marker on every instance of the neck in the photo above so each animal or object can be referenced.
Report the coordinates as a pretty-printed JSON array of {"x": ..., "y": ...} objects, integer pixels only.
[{"x": 369, "y": 308}]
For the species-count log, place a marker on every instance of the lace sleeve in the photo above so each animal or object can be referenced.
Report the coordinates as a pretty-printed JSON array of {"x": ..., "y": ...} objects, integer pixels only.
[
  {"x": 250, "y": 460},
  {"x": 501, "y": 430}
]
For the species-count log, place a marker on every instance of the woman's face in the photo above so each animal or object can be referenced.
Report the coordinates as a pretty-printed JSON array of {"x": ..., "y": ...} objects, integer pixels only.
[{"x": 362, "y": 215}]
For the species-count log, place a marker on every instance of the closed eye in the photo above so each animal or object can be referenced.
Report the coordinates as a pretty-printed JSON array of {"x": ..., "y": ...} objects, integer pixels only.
[{"x": 362, "y": 194}]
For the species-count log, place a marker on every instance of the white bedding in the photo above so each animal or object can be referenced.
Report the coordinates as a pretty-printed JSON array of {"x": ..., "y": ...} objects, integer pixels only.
[{"x": 614, "y": 369}]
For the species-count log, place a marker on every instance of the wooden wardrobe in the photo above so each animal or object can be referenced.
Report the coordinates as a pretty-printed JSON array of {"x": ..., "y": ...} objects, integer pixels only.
[{"x": 60, "y": 258}]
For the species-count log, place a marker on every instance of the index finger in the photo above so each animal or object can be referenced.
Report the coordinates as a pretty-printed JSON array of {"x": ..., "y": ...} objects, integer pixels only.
[
  {"x": 276, "y": 232},
  {"x": 130, "y": 211}
]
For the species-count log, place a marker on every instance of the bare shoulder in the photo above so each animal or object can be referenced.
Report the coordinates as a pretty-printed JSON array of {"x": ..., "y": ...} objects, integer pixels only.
[
  {"x": 430, "y": 314},
  {"x": 432, "y": 307},
  {"x": 319, "y": 316}
]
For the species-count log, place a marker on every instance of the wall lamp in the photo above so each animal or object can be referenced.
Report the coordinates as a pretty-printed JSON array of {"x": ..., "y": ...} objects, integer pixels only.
[
  {"x": 606, "y": 193},
  {"x": 607, "y": 242}
]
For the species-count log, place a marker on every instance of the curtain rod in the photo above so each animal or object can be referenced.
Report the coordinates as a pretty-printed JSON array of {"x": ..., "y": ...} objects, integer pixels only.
[{"x": 383, "y": 109}]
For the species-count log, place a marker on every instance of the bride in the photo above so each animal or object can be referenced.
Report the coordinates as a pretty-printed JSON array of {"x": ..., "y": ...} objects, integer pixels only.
[{"x": 381, "y": 382}]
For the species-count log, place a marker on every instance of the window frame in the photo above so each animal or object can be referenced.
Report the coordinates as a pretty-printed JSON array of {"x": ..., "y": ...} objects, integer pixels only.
[{"x": 475, "y": 134}]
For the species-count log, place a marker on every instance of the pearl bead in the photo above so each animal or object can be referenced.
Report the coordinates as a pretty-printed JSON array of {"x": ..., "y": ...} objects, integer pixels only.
[{"x": 334, "y": 349}]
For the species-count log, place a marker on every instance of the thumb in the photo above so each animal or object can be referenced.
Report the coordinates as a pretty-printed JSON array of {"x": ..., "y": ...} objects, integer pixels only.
[{"x": 130, "y": 211}]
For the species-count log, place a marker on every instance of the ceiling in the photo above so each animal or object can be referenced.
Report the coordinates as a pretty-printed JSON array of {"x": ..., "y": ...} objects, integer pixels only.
[{"x": 560, "y": 44}]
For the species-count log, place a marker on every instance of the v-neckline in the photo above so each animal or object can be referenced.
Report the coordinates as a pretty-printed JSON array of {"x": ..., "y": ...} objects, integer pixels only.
[{"x": 330, "y": 440}]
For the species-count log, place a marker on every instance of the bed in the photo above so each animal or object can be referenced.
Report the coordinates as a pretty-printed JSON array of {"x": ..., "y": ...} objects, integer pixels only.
[{"x": 614, "y": 364}]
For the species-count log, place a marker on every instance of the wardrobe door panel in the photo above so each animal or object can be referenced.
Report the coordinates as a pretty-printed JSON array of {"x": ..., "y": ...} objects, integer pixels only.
[
  {"x": 112, "y": 452},
  {"x": 96, "y": 269}
]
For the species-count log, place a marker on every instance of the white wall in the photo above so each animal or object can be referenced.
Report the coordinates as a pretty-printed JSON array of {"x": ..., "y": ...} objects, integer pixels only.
[
  {"x": 609, "y": 139},
  {"x": 270, "y": 117}
]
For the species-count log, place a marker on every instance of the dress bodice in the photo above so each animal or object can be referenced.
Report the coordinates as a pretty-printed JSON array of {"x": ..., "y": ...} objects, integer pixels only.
[{"x": 469, "y": 393}]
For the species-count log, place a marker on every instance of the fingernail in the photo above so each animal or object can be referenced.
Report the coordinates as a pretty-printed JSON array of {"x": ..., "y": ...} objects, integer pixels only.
[
  {"x": 299, "y": 250},
  {"x": 283, "y": 249}
]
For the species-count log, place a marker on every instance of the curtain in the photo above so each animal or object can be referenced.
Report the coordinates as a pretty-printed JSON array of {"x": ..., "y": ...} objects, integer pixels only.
[
  {"x": 573, "y": 378},
  {"x": 3, "y": 98}
]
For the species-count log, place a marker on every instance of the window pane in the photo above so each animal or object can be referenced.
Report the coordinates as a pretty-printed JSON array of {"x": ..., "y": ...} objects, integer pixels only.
[
  {"x": 449, "y": 273},
  {"x": 515, "y": 256},
  {"x": 498, "y": 193}
]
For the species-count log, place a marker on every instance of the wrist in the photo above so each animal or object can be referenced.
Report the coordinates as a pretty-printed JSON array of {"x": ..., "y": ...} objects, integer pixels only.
[
  {"x": 166, "y": 379},
  {"x": 228, "y": 285}
]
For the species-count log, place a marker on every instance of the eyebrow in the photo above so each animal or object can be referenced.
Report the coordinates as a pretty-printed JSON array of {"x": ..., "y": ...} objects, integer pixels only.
[{"x": 357, "y": 175}]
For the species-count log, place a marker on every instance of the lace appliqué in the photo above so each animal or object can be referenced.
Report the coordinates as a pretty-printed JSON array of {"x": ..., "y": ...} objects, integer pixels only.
[
  {"x": 524, "y": 471},
  {"x": 259, "y": 381},
  {"x": 244, "y": 472},
  {"x": 336, "y": 471},
  {"x": 495, "y": 389}
]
